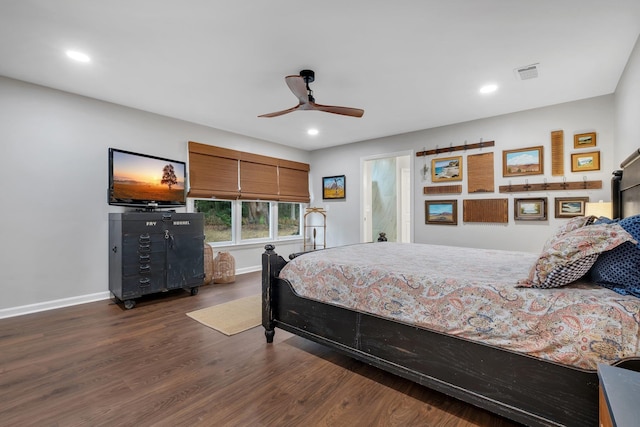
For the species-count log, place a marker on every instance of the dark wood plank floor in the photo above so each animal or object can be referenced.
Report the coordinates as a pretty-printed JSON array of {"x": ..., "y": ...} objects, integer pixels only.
[{"x": 97, "y": 364}]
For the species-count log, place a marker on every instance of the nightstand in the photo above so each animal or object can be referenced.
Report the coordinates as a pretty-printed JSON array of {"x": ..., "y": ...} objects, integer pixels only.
[{"x": 619, "y": 390}]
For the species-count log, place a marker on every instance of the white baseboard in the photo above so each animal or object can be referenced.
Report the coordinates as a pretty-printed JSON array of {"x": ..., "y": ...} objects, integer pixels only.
[
  {"x": 51, "y": 305},
  {"x": 66, "y": 302},
  {"x": 248, "y": 269}
]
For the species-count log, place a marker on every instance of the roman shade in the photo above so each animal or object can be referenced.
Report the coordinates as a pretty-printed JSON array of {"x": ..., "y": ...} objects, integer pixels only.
[{"x": 216, "y": 172}]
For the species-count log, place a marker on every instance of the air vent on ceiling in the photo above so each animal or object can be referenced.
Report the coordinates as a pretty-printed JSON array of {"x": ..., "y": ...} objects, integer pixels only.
[{"x": 527, "y": 72}]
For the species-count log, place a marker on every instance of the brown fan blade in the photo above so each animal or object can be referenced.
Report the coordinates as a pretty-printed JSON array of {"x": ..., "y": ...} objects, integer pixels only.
[
  {"x": 345, "y": 111},
  {"x": 298, "y": 87},
  {"x": 279, "y": 113}
]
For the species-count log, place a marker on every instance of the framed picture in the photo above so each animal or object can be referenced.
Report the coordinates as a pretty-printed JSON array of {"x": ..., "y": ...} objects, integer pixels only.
[
  {"x": 531, "y": 209},
  {"x": 585, "y": 161},
  {"x": 441, "y": 212},
  {"x": 568, "y": 207},
  {"x": 446, "y": 169},
  {"x": 525, "y": 161},
  {"x": 334, "y": 187},
  {"x": 584, "y": 140}
]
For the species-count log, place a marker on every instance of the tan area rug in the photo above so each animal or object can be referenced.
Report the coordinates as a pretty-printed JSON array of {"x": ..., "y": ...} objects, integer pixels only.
[{"x": 231, "y": 317}]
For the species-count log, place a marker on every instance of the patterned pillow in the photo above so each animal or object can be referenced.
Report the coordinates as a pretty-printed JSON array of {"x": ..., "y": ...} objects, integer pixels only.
[
  {"x": 619, "y": 268},
  {"x": 569, "y": 256},
  {"x": 573, "y": 224}
]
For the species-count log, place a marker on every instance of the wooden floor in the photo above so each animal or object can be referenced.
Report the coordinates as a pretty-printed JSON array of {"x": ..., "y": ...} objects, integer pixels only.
[{"x": 98, "y": 364}]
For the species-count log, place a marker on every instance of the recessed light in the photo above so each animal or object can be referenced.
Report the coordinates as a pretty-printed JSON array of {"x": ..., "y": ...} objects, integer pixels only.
[
  {"x": 489, "y": 88},
  {"x": 312, "y": 132},
  {"x": 78, "y": 56}
]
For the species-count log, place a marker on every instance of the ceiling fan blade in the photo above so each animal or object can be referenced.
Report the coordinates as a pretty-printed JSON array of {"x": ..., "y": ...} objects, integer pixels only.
[
  {"x": 279, "y": 113},
  {"x": 298, "y": 87},
  {"x": 345, "y": 111}
]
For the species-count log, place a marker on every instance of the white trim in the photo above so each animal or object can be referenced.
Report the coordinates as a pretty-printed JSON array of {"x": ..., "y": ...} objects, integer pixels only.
[
  {"x": 52, "y": 305},
  {"x": 248, "y": 269},
  {"x": 83, "y": 299}
]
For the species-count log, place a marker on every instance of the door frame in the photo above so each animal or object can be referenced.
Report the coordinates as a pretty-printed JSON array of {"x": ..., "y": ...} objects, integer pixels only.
[{"x": 366, "y": 186}]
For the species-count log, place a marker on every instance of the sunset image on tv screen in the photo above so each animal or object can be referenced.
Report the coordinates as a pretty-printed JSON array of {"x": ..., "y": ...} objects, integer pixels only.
[{"x": 144, "y": 178}]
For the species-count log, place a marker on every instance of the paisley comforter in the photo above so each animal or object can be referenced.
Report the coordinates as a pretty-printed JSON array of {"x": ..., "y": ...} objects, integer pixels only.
[{"x": 473, "y": 294}]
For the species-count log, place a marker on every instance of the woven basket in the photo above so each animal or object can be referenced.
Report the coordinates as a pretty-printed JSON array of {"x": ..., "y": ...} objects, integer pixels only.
[
  {"x": 224, "y": 268},
  {"x": 208, "y": 264}
]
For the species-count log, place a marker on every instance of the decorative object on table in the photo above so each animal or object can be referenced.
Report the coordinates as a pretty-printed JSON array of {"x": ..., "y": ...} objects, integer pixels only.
[
  {"x": 524, "y": 161},
  {"x": 589, "y": 161},
  {"x": 441, "y": 212},
  {"x": 224, "y": 268},
  {"x": 334, "y": 187},
  {"x": 530, "y": 209},
  {"x": 446, "y": 169},
  {"x": 568, "y": 207},
  {"x": 584, "y": 140}
]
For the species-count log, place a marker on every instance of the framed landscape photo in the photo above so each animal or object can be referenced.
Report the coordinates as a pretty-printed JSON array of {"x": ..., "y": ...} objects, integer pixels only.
[
  {"x": 334, "y": 187},
  {"x": 584, "y": 140},
  {"x": 589, "y": 161},
  {"x": 531, "y": 209},
  {"x": 441, "y": 212},
  {"x": 525, "y": 161},
  {"x": 568, "y": 207},
  {"x": 446, "y": 169}
]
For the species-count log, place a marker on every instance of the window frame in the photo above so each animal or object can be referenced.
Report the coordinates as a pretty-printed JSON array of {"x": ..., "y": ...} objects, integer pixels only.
[{"x": 236, "y": 222}]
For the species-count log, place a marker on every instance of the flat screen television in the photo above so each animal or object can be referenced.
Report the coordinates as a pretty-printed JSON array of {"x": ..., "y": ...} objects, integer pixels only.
[{"x": 144, "y": 181}]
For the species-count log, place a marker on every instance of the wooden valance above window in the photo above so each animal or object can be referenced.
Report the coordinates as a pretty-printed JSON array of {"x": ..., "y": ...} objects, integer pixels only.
[{"x": 216, "y": 172}]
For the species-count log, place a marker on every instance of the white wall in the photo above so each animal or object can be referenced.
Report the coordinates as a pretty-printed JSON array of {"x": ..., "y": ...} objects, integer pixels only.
[
  {"x": 54, "y": 149},
  {"x": 511, "y": 131},
  {"x": 627, "y": 108}
]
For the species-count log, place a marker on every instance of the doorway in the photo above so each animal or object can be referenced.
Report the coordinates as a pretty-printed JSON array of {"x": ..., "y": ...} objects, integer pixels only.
[{"x": 386, "y": 194}]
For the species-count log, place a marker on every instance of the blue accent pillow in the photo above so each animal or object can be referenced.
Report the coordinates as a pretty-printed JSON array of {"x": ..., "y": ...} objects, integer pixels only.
[{"x": 619, "y": 268}]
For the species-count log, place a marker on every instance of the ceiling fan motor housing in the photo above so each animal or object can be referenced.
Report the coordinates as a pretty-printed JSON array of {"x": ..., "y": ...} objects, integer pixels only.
[{"x": 308, "y": 75}]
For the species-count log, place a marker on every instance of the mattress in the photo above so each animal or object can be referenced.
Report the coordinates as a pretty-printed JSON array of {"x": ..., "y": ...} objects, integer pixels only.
[{"x": 473, "y": 294}]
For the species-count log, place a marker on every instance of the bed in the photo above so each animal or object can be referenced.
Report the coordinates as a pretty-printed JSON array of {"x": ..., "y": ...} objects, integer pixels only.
[{"x": 536, "y": 383}]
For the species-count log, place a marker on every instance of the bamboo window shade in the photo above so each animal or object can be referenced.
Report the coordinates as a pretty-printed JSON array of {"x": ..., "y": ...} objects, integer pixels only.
[{"x": 223, "y": 173}]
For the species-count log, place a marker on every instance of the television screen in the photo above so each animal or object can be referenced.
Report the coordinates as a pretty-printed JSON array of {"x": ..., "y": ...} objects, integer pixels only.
[{"x": 145, "y": 181}]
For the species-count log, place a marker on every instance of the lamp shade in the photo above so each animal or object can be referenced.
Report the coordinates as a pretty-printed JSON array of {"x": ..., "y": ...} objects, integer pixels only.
[{"x": 599, "y": 209}]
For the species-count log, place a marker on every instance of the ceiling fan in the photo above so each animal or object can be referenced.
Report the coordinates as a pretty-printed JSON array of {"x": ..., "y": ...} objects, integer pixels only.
[{"x": 299, "y": 85}]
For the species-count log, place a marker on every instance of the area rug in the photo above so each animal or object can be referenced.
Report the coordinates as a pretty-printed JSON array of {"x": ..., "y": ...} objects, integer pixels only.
[{"x": 231, "y": 317}]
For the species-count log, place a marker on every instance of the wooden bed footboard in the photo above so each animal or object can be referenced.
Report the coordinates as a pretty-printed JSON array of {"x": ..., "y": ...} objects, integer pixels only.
[{"x": 519, "y": 387}]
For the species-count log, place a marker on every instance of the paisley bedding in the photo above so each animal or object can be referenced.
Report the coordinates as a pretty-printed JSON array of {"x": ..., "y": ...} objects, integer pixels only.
[{"x": 473, "y": 294}]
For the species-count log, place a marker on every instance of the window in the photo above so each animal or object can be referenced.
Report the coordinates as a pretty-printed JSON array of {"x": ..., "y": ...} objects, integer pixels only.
[
  {"x": 243, "y": 221},
  {"x": 218, "y": 223},
  {"x": 289, "y": 219},
  {"x": 255, "y": 221}
]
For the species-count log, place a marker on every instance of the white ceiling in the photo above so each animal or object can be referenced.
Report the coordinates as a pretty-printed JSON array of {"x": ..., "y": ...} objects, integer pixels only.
[{"x": 410, "y": 64}]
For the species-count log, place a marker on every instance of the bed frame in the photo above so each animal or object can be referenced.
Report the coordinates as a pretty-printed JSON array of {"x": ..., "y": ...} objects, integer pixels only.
[{"x": 525, "y": 389}]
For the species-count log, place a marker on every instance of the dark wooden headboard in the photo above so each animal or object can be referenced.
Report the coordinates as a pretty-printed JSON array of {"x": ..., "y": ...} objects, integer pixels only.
[{"x": 625, "y": 187}]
